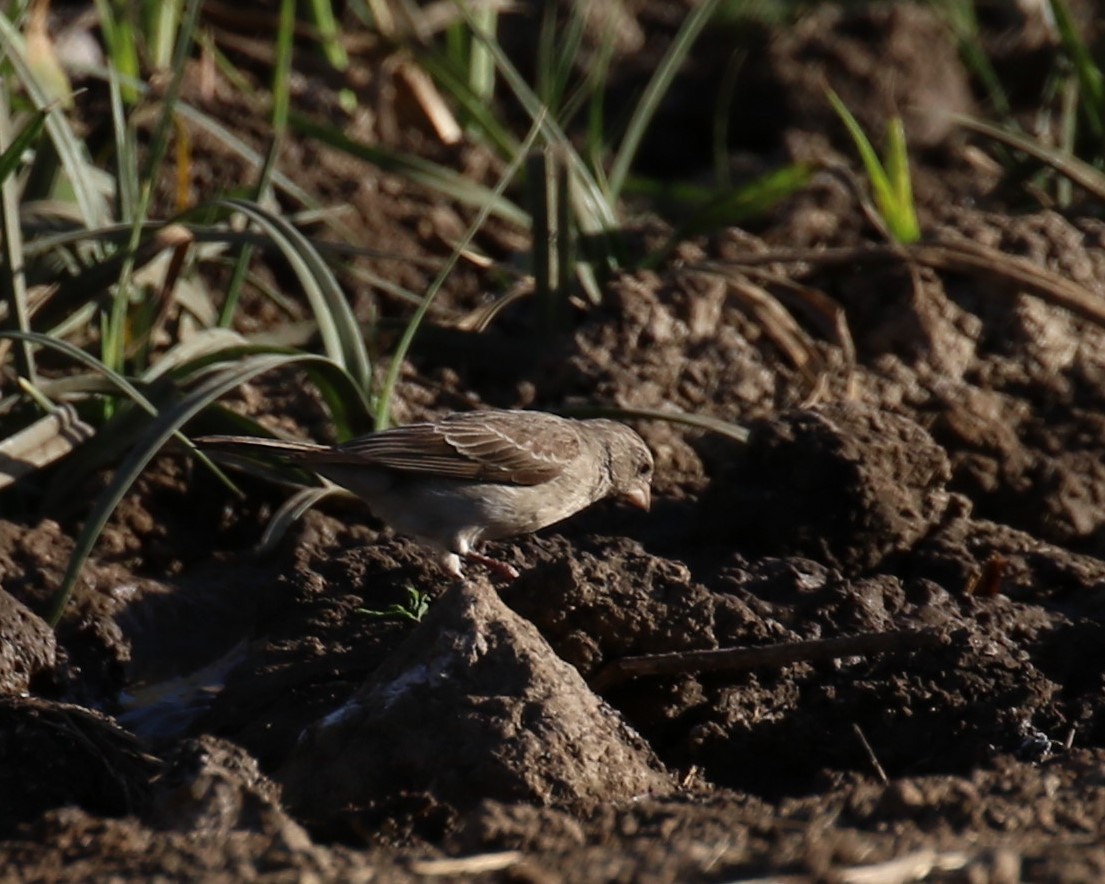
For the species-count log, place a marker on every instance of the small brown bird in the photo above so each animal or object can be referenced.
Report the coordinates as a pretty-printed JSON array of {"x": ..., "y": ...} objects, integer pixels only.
[{"x": 473, "y": 476}]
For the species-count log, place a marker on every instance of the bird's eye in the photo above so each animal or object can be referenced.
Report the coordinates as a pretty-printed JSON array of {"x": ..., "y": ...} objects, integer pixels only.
[{"x": 644, "y": 469}]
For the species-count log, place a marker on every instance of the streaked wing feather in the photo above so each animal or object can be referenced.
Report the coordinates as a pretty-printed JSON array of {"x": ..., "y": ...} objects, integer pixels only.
[
  {"x": 518, "y": 448},
  {"x": 528, "y": 447}
]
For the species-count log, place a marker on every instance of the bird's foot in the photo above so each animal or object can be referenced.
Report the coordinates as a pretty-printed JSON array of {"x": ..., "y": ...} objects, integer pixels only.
[{"x": 500, "y": 569}]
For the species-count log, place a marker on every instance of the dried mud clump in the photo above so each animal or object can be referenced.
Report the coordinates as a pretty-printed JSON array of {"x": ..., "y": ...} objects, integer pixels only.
[
  {"x": 844, "y": 484},
  {"x": 28, "y": 649},
  {"x": 613, "y": 602},
  {"x": 212, "y": 785},
  {"x": 58, "y": 754}
]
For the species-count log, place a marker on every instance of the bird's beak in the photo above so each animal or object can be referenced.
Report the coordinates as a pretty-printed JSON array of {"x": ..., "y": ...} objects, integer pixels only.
[{"x": 640, "y": 496}]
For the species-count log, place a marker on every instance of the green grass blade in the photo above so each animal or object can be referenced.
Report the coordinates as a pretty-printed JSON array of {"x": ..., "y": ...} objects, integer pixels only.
[
  {"x": 340, "y": 331},
  {"x": 657, "y": 88},
  {"x": 13, "y": 281},
  {"x": 481, "y": 66},
  {"x": 322, "y": 15},
  {"x": 890, "y": 184},
  {"x": 281, "y": 101},
  {"x": 117, "y": 380},
  {"x": 11, "y": 158},
  {"x": 710, "y": 211},
  {"x": 115, "y": 329},
  {"x": 904, "y": 223},
  {"x": 594, "y": 211},
  {"x": 70, "y": 149},
  {"x": 162, "y": 428},
  {"x": 126, "y": 153},
  {"x": 236, "y": 145},
  {"x": 121, "y": 49},
  {"x": 345, "y": 400},
  {"x": 163, "y": 21},
  {"x": 1088, "y": 73},
  {"x": 159, "y": 141},
  {"x": 558, "y": 48},
  {"x": 880, "y": 184},
  {"x": 383, "y": 406},
  {"x": 432, "y": 176},
  {"x": 290, "y": 512},
  {"x": 282, "y": 70}
]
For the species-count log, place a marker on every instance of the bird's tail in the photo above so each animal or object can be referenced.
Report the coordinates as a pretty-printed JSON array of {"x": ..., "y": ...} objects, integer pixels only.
[{"x": 258, "y": 446}]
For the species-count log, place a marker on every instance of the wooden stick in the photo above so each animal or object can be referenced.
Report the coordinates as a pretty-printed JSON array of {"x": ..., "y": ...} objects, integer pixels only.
[{"x": 774, "y": 656}]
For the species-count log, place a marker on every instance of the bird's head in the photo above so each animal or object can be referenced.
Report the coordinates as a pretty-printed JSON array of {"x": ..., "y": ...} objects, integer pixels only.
[{"x": 630, "y": 465}]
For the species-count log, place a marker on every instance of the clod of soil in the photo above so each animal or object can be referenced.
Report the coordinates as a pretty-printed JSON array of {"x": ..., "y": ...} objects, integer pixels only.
[
  {"x": 473, "y": 705},
  {"x": 212, "y": 785},
  {"x": 58, "y": 754},
  {"x": 844, "y": 484},
  {"x": 28, "y": 649},
  {"x": 612, "y": 602},
  {"x": 883, "y": 60}
]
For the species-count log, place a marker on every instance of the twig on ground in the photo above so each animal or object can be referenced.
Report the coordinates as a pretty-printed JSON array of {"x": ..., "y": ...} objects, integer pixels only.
[
  {"x": 871, "y": 756},
  {"x": 774, "y": 656},
  {"x": 466, "y": 865},
  {"x": 960, "y": 256},
  {"x": 911, "y": 867}
]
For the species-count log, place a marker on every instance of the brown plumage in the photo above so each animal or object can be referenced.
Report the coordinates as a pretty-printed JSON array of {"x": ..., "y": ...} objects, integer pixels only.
[{"x": 475, "y": 476}]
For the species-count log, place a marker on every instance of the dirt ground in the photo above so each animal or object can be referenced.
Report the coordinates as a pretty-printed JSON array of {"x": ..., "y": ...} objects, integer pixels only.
[{"x": 910, "y": 546}]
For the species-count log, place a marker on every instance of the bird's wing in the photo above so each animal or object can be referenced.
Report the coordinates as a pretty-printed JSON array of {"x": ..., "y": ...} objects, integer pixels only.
[{"x": 509, "y": 447}]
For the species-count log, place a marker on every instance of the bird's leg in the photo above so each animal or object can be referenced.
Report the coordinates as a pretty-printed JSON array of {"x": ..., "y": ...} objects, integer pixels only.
[{"x": 451, "y": 563}]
